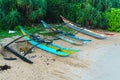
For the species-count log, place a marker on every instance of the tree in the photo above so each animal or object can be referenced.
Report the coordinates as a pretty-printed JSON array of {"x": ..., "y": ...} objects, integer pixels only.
[
  {"x": 24, "y": 12},
  {"x": 55, "y": 8},
  {"x": 89, "y": 13}
]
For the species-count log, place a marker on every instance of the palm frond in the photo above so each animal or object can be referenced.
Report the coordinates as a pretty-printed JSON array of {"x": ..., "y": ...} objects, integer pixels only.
[{"x": 12, "y": 19}]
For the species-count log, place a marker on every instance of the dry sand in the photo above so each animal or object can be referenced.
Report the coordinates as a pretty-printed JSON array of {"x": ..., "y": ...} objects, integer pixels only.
[{"x": 88, "y": 64}]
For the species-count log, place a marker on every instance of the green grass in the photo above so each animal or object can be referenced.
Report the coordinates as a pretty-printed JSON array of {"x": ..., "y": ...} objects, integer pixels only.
[{"x": 5, "y": 34}]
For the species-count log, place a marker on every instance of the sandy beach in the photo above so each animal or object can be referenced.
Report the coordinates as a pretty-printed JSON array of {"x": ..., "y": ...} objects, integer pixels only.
[{"x": 97, "y": 60}]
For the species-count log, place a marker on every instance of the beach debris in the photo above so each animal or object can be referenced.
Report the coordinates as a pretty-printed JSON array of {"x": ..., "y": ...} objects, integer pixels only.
[
  {"x": 47, "y": 59},
  {"x": 53, "y": 59},
  {"x": 47, "y": 63},
  {"x": 24, "y": 49},
  {"x": 33, "y": 56},
  {"x": 10, "y": 58},
  {"x": 4, "y": 67},
  {"x": 11, "y": 31}
]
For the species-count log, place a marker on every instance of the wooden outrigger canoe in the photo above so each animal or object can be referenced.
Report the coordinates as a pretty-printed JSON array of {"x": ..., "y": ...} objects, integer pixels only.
[
  {"x": 68, "y": 37},
  {"x": 82, "y": 30},
  {"x": 49, "y": 47}
]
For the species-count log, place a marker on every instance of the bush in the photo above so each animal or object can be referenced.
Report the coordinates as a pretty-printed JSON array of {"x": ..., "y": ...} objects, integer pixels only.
[
  {"x": 89, "y": 13},
  {"x": 21, "y": 12},
  {"x": 113, "y": 19}
]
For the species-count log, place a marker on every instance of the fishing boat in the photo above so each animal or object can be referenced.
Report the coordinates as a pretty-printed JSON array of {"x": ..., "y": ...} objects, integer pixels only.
[
  {"x": 68, "y": 37},
  {"x": 82, "y": 30},
  {"x": 47, "y": 46}
]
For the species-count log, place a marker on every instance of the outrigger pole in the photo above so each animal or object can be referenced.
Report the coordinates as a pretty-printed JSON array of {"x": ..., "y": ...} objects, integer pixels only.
[{"x": 22, "y": 57}]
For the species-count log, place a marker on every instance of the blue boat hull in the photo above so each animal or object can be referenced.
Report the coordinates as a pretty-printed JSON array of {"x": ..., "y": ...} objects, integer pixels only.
[{"x": 41, "y": 46}]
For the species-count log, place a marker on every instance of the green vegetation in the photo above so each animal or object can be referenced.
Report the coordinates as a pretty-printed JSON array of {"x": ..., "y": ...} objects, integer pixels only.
[
  {"x": 21, "y": 12},
  {"x": 4, "y": 34},
  {"x": 113, "y": 19},
  {"x": 39, "y": 30},
  {"x": 89, "y": 13}
]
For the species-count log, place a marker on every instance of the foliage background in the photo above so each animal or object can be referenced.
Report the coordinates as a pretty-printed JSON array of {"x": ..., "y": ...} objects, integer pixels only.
[
  {"x": 21, "y": 12},
  {"x": 113, "y": 19},
  {"x": 88, "y": 13}
]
